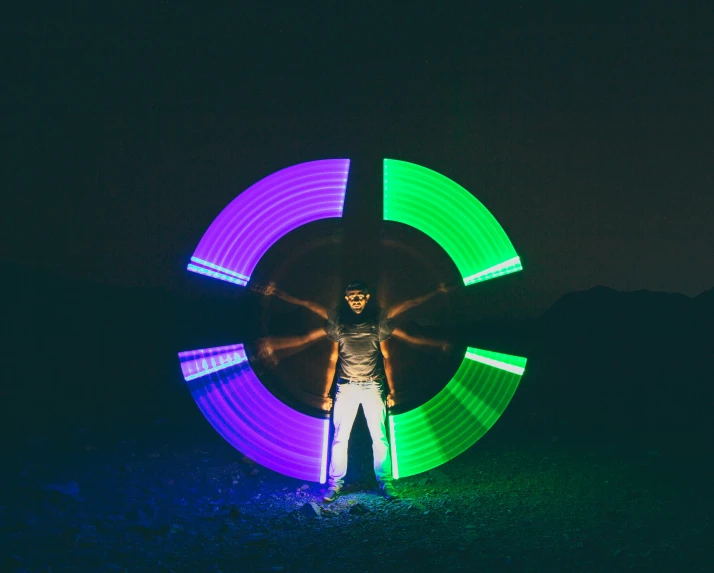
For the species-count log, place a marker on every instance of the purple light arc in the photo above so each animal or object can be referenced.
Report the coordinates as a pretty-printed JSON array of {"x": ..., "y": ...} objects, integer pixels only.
[
  {"x": 250, "y": 418},
  {"x": 268, "y": 210}
]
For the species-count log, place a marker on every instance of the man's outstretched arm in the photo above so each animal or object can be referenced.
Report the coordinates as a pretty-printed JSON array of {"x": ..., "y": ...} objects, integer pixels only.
[
  {"x": 270, "y": 344},
  {"x": 421, "y": 341},
  {"x": 272, "y": 290},
  {"x": 407, "y": 304}
]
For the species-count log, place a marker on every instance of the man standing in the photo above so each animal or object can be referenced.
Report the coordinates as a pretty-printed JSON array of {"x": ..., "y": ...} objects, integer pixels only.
[{"x": 359, "y": 331}]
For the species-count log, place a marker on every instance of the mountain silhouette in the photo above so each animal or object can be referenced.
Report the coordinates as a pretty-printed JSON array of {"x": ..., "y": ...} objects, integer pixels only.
[{"x": 603, "y": 360}]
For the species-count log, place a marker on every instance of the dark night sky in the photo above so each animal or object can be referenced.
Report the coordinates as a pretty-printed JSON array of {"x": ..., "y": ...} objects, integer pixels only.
[{"x": 586, "y": 128}]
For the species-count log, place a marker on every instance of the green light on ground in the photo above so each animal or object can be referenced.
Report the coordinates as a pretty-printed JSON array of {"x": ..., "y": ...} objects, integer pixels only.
[
  {"x": 449, "y": 214},
  {"x": 458, "y": 416}
]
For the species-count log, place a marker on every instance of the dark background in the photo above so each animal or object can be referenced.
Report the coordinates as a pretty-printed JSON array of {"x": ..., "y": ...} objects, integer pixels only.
[{"x": 585, "y": 128}]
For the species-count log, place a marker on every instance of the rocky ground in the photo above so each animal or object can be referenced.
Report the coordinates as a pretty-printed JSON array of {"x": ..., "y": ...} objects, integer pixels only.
[{"x": 160, "y": 502}]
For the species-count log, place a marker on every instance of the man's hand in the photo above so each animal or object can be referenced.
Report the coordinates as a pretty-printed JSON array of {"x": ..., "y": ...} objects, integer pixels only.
[
  {"x": 390, "y": 400},
  {"x": 266, "y": 352},
  {"x": 266, "y": 290},
  {"x": 326, "y": 403},
  {"x": 444, "y": 288}
]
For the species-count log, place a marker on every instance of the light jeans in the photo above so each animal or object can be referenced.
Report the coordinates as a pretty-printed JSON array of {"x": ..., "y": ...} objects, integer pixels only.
[{"x": 348, "y": 397}]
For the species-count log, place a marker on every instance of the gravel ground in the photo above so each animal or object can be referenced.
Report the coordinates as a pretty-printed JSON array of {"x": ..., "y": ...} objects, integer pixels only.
[{"x": 633, "y": 503}]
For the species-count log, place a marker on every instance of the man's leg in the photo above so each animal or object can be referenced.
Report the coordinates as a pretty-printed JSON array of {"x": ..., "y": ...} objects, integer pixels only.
[
  {"x": 343, "y": 417},
  {"x": 375, "y": 411}
]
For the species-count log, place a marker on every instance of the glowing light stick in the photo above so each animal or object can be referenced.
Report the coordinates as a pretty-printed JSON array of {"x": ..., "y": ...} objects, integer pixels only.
[
  {"x": 250, "y": 418},
  {"x": 268, "y": 210},
  {"x": 449, "y": 214},
  {"x": 456, "y": 417}
]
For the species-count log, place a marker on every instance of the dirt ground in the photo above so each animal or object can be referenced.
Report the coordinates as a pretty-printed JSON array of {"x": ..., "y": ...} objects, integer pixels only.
[{"x": 157, "y": 502}]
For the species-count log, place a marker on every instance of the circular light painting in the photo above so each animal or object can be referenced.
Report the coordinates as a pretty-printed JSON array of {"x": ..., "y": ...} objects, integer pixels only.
[{"x": 255, "y": 422}]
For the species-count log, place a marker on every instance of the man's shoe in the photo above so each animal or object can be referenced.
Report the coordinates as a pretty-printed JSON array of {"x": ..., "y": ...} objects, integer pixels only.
[
  {"x": 331, "y": 494},
  {"x": 389, "y": 491}
]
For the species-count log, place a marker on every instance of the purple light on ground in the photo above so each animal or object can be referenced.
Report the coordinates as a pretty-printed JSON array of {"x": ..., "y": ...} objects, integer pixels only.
[
  {"x": 250, "y": 418},
  {"x": 267, "y": 211}
]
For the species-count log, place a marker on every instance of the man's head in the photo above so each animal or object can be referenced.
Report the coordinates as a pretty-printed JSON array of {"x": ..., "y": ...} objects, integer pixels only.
[{"x": 357, "y": 296}]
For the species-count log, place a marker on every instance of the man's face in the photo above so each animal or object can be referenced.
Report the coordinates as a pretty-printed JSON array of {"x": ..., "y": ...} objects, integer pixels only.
[{"x": 357, "y": 299}]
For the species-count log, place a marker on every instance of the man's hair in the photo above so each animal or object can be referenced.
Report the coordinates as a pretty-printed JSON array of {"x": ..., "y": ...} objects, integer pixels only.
[{"x": 357, "y": 285}]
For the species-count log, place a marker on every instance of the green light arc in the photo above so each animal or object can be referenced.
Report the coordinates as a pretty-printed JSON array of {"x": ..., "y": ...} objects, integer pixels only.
[
  {"x": 474, "y": 399},
  {"x": 449, "y": 214},
  {"x": 458, "y": 416}
]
